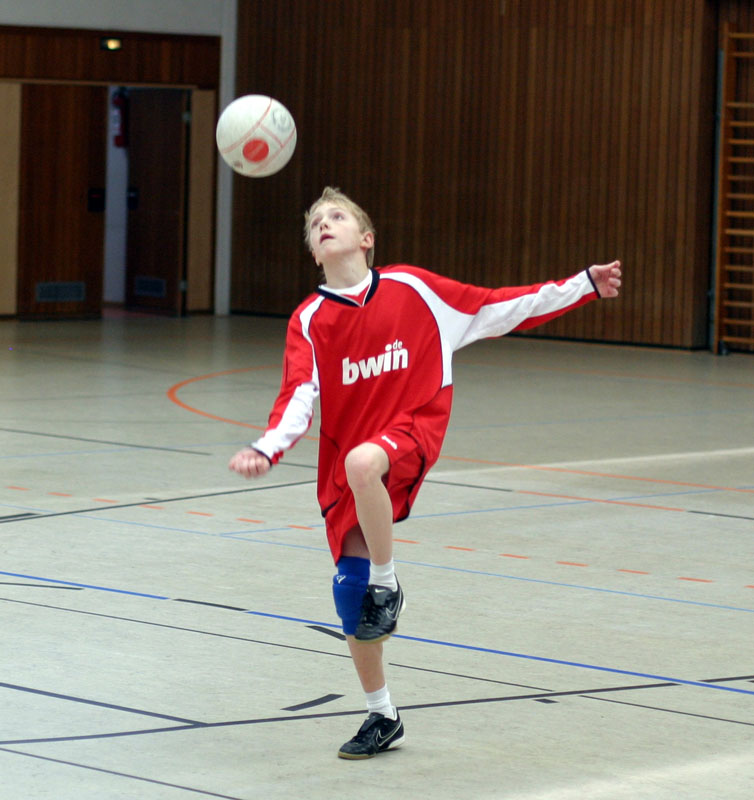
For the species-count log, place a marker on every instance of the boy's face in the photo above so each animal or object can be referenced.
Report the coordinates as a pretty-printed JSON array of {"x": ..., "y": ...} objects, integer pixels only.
[{"x": 334, "y": 232}]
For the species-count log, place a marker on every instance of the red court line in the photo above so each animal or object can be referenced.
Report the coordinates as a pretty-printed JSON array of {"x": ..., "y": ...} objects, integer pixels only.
[
  {"x": 572, "y": 563},
  {"x": 301, "y": 527},
  {"x": 596, "y": 500},
  {"x": 634, "y": 571},
  {"x": 245, "y": 519},
  {"x": 172, "y": 394},
  {"x": 19, "y": 488},
  {"x": 511, "y": 555},
  {"x": 696, "y": 580},
  {"x": 465, "y": 549},
  {"x": 597, "y": 474}
]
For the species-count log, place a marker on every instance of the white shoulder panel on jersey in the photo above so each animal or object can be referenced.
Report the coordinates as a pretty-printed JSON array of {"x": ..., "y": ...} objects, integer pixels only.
[{"x": 452, "y": 323}]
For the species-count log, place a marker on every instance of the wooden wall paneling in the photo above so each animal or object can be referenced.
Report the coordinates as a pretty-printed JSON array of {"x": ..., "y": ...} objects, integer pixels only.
[
  {"x": 701, "y": 161},
  {"x": 678, "y": 228},
  {"x": 75, "y": 55},
  {"x": 496, "y": 143},
  {"x": 10, "y": 138}
]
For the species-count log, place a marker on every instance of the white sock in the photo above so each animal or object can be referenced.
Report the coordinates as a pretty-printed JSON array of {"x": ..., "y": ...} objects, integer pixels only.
[
  {"x": 383, "y": 575},
  {"x": 379, "y": 702}
]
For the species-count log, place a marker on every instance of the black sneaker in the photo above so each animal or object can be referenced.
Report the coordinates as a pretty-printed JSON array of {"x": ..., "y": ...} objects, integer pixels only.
[
  {"x": 379, "y": 613},
  {"x": 378, "y": 733}
]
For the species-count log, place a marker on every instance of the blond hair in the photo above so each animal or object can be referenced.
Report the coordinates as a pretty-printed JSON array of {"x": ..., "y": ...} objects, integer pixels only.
[{"x": 336, "y": 197}]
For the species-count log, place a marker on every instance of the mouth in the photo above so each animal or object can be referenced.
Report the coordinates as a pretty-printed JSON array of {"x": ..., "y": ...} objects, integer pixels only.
[{"x": 325, "y": 237}]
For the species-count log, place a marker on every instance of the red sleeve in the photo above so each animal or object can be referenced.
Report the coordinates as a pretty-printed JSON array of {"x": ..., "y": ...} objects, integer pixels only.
[{"x": 467, "y": 313}]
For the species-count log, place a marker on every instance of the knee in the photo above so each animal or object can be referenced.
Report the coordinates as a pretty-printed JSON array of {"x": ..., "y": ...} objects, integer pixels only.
[
  {"x": 349, "y": 588},
  {"x": 365, "y": 465}
]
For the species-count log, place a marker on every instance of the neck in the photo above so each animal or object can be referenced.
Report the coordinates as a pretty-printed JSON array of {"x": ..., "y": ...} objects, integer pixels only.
[{"x": 342, "y": 274}]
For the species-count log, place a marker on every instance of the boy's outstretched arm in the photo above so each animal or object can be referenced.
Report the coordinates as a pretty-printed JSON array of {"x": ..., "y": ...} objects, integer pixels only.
[
  {"x": 606, "y": 278},
  {"x": 250, "y": 463}
]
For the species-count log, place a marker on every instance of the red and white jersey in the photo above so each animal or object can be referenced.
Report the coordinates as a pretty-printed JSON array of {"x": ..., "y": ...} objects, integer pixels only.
[{"x": 385, "y": 360}]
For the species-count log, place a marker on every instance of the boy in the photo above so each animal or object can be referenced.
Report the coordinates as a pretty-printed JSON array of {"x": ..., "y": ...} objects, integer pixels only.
[{"x": 375, "y": 346}]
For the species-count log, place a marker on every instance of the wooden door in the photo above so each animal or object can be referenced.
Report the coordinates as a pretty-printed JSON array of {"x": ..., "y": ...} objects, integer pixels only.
[
  {"x": 61, "y": 200},
  {"x": 156, "y": 249}
]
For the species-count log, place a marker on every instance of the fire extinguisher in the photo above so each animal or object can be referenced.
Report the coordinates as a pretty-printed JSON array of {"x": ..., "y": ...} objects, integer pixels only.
[{"x": 119, "y": 118}]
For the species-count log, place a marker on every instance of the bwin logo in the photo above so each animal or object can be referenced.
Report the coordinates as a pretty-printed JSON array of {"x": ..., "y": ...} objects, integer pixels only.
[{"x": 394, "y": 357}]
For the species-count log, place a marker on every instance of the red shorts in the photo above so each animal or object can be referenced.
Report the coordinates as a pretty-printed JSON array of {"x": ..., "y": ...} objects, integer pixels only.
[{"x": 408, "y": 468}]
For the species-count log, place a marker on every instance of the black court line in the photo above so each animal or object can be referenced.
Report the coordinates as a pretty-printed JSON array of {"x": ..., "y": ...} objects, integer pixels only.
[
  {"x": 475, "y": 701},
  {"x": 203, "y": 792},
  {"x": 501, "y": 489},
  {"x": 11, "y": 517},
  {"x": 205, "y": 603},
  {"x": 670, "y": 711},
  {"x": 43, "y": 586},
  {"x": 329, "y": 631},
  {"x": 469, "y": 485},
  {"x": 540, "y": 696},
  {"x": 113, "y": 507},
  {"x": 105, "y": 441},
  {"x": 98, "y": 704},
  {"x": 468, "y": 677},
  {"x": 718, "y": 514},
  {"x": 328, "y": 698},
  {"x": 181, "y": 628},
  {"x": 403, "y": 708},
  {"x": 150, "y": 623}
]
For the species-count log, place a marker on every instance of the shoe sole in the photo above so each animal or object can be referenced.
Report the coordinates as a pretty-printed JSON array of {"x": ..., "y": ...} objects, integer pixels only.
[
  {"x": 355, "y": 757},
  {"x": 383, "y": 638}
]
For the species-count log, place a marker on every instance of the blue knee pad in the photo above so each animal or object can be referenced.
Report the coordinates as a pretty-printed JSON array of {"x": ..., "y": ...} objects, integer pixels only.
[{"x": 348, "y": 589}]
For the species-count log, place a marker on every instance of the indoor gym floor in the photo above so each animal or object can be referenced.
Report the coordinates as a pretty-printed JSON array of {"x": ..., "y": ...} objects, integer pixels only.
[{"x": 578, "y": 571}]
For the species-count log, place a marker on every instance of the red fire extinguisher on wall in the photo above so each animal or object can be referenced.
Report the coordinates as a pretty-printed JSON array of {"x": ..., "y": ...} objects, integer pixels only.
[{"x": 119, "y": 118}]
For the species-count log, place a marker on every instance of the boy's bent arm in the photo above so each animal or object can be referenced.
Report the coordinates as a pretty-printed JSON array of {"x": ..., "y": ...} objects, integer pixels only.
[{"x": 292, "y": 411}]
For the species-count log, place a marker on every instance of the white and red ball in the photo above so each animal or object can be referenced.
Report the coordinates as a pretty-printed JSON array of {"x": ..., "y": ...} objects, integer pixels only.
[{"x": 256, "y": 135}]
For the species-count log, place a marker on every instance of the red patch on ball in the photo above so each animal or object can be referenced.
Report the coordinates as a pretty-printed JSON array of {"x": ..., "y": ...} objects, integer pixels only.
[{"x": 256, "y": 150}]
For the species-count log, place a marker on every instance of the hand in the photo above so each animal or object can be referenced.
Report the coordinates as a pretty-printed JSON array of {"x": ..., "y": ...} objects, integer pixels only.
[
  {"x": 606, "y": 278},
  {"x": 249, "y": 463}
]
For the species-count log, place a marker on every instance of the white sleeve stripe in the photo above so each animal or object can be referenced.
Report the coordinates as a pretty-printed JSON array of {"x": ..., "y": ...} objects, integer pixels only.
[
  {"x": 293, "y": 424},
  {"x": 297, "y": 416},
  {"x": 458, "y": 329},
  {"x": 306, "y": 319},
  {"x": 498, "y": 319}
]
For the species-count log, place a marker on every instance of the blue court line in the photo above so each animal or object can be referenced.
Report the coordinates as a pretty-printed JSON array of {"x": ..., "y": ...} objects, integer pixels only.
[
  {"x": 577, "y": 586},
  {"x": 85, "y": 586},
  {"x": 561, "y": 662},
  {"x": 422, "y": 640},
  {"x": 252, "y": 537}
]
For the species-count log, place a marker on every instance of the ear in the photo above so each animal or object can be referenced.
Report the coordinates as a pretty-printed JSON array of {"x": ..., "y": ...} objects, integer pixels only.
[{"x": 367, "y": 240}]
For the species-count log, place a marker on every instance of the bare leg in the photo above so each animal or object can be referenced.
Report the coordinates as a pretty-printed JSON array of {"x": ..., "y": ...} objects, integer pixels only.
[
  {"x": 367, "y": 658},
  {"x": 365, "y": 467}
]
